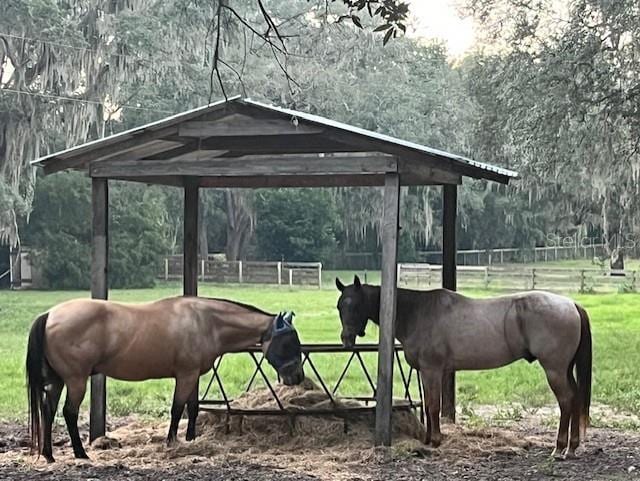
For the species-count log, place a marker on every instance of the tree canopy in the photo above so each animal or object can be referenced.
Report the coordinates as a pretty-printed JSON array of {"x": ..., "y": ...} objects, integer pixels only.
[{"x": 552, "y": 89}]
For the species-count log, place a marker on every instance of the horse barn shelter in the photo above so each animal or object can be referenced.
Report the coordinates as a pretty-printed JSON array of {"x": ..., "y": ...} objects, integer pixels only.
[{"x": 246, "y": 144}]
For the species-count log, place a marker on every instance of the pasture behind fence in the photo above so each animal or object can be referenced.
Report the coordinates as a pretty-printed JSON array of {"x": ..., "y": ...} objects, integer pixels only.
[
  {"x": 247, "y": 272},
  {"x": 513, "y": 278}
]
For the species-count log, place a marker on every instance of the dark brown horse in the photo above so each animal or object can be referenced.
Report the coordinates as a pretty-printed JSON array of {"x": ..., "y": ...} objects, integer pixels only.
[
  {"x": 442, "y": 331},
  {"x": 178, "y": 337}
]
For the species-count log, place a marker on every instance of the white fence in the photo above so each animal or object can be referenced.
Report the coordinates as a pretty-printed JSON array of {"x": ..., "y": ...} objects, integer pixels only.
[
  {"x": 248, "y": 272},
  {"x": 481, "y": 257},
  {"x": 514, "y": 278}
]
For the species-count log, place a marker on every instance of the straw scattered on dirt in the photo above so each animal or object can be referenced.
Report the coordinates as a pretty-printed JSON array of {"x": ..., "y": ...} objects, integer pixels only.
[{"x": 313, "y": 447}]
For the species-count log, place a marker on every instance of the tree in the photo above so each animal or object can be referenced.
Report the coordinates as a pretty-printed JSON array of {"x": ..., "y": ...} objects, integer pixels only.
[
  {"x": 60, "y": 232},
  {"x": 568, "y": 93},
  {"x": 296, "y": 224}
]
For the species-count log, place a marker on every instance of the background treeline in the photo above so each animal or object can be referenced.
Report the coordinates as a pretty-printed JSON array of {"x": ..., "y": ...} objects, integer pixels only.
[{"x": 552, "y": 90}]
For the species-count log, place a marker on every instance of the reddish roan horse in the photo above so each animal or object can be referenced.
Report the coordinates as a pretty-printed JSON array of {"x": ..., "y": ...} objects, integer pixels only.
[
  {"x": 442, "y": 331},
  {"x": 178, "y": 337}
]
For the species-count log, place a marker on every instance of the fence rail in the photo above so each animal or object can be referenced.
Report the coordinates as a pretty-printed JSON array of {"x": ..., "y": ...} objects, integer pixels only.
[
  {"x": 247, "y": 272},
  {"x": 514, "y": 278},
  {"x": 481, "y": 257}
]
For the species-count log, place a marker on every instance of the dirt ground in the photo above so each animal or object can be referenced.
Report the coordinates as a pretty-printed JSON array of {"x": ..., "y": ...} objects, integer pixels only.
[
  {"x": 486, "y": 446},
  {"x": 514, "y": 452}
]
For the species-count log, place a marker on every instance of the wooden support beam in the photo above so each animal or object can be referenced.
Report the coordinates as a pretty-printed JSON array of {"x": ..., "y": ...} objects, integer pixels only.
[
  {"x": 250, "y": 165},
  {"x": 388, "y": 300},
  {"x": 190, "y": 243},
  {"x": 244, "y": 126},
  {"x": 282, "y": 144},
  {"x": 416, "y": 172},
  {"x": 449, "y": 250},
  {"x": 99, "y": 290},
  {"x": 267, "y": 181}
]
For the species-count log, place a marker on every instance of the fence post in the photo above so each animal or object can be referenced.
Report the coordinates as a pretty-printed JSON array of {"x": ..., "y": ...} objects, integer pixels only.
[
  {"x": 486, "y": 277},
  {"x": 582, "y": 281},
  {"x": 319, "y": 275},
  {"x": 290, "y": 277},
  {"x": 501, "y": 256},
  {"x": 202, "y": 268},
  {"x": 166, "y": 268},
  {"x": 633, "y": 280},
  {"x": 279, "y": 273},
  {"x": 533, "y": 278},
  {"x": 240, "y": 274}
]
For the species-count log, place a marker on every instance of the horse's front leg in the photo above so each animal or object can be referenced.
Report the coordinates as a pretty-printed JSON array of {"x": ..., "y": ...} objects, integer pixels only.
[
  {"x": 425, "y": 410},
  {"x": 185, "y": 384},
  {"x": 432, "y": 383}
]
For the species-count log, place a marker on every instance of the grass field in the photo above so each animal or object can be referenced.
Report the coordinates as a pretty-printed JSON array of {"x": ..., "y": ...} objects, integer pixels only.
[{"x": 616, "y": 330}]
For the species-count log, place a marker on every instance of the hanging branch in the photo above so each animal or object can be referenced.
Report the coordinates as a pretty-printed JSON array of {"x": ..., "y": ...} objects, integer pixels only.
[{"x": 393, "y": 14}]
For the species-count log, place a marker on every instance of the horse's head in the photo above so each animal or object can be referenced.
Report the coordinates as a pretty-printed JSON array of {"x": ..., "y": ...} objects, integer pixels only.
[
  {"x": 281, "y": 347},
  {"x": 353, "y": 311}
]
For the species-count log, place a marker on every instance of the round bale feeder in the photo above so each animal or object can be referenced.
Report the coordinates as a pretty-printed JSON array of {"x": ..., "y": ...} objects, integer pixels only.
[{"x": 247, "y": 144}]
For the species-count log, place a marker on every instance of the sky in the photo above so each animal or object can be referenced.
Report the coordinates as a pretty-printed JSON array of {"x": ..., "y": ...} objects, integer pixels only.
[{"x": 439, "y": 19}]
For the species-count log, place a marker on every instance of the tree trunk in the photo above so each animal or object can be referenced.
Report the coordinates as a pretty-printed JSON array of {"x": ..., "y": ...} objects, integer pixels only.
[
  {"x": 612, "y": 227},
  {"x": 239, "y": 223}
]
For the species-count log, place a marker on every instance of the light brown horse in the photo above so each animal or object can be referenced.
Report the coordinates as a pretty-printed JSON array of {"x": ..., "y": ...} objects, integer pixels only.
[
  {"x": 442, "y": 331},
  {"x": 177, "y": 337}
]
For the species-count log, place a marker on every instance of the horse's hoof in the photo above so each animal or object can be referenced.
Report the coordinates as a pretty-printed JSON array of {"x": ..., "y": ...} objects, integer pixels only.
[
  {"x": 81, "y": 455},
  {"x": 49, "y": 459},
  {"x": 570, "y": 455},
  {"x": 190, "y": 437},
  {"x": 435, "y": 442},
  {"x": 557, "y": 455}
]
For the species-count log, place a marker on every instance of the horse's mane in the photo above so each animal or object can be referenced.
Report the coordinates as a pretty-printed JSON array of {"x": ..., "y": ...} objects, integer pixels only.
[{"x": 241, "y": 304}]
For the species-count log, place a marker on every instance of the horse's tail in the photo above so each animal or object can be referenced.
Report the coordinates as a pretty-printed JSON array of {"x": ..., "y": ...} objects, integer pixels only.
[
  {"x": 35, "y": 376},
  {"x": 583, "y": 369}
]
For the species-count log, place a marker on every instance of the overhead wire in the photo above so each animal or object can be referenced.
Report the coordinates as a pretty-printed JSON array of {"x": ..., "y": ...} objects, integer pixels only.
[{"x": 89, "y": 101}]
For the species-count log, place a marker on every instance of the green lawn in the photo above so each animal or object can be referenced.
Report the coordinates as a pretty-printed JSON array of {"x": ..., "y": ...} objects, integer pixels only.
[{"x": 616, "y": 330}]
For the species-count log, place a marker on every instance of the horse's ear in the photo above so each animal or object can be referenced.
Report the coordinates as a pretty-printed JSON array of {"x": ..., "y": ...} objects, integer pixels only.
[
  {"x": 288, "y": 317},
  {"x": 356, "y": 282},
  {"x": 339, "y": 285}
]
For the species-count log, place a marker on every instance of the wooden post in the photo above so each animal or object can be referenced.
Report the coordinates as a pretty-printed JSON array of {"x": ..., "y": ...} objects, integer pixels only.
[
  {"x": 279, "y": 272},
  {"x": 190, "y": 242},
  {"x": 166, "y": 268},
  {"x": 533, "y": 278},
  {"x": 290, "y": 277},
  {"x": 449, "y": 281},
  {"x": 319, "y": 275},
  {"x": 15, "y": 267},
  {"x": 388, "y": 295},
  {"x": 99, "y": 290}
]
